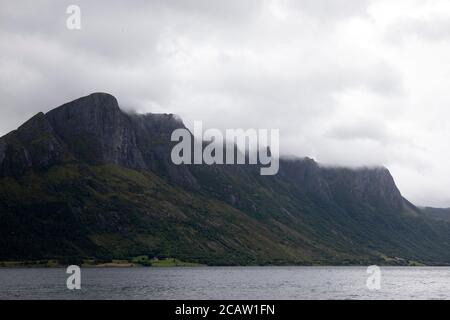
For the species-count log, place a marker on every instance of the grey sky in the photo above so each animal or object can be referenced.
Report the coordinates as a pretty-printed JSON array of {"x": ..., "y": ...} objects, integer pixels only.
[{"x": 347, "y": 82}]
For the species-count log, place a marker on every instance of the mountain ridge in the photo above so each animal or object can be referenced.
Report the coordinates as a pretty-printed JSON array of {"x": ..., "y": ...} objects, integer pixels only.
[{"x": 109, "y": 174}]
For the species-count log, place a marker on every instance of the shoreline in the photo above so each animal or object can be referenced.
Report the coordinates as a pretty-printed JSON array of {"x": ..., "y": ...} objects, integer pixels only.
[
  {"x": 91, "y": 263},
  {"x": 171, "y": 262}
]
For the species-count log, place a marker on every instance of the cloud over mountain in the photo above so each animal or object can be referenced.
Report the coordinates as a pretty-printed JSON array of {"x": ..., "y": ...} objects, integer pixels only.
[{"x": 323, "y": 72}]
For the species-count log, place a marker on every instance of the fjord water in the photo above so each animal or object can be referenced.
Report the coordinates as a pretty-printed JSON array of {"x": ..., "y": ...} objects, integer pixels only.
[{"x": 227, "y": 283}]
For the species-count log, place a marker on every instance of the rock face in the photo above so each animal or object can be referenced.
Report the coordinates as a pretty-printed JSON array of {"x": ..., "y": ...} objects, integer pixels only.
[
  {"x": 364, "y": 185},
  {"x": 97, "y": 131},
  {"x": 93, "y": 129},
  {"x": 153, "y": 132},
  {"x": 89, "y": 180},
  {"x": 374, "y": 185},
  {"x": 33, "y": 145}
]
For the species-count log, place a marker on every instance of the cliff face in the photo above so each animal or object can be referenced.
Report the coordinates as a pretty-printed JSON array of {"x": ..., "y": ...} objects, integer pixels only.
[
  {"x": 369, "y": 185},
  {"x": 87, "y": 179},
  {"x": 33, "y": 145},
  {"x": 97, "y": 131},
  {"x": 373, "y": 186},
  {"x": 94, "y": 130}
]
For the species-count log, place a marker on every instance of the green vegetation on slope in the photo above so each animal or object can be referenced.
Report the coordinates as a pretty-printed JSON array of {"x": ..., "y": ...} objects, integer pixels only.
[{"x": 81, "y": 211}]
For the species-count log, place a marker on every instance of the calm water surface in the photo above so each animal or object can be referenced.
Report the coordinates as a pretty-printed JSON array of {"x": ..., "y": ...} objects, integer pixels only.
[{"x": 227, "y": 283}]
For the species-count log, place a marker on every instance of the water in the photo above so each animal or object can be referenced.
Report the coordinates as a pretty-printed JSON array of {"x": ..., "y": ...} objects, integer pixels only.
[{"x": 227, "y": 283}]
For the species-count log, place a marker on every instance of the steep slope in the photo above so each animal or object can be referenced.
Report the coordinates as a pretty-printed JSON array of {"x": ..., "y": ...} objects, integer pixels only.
[
  {"x": 439, "y": 214},
  {"x": 32, "y": 146},
  {"x": 89, "y": 180}
]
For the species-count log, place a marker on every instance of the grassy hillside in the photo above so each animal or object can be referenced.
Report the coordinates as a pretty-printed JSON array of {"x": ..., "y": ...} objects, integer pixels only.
[{"x": 77, "y": 210}]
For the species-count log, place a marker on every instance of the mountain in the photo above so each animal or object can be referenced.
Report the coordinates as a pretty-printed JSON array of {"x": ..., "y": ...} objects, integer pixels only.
[
  {"x": 88, "y": 180},
  {"x": 439, "y": 214}
]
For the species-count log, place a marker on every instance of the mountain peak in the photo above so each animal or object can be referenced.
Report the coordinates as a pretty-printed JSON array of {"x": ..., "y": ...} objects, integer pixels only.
[
  {"x": 98, "y": 100},
  {"x": 102, "y": 99}
]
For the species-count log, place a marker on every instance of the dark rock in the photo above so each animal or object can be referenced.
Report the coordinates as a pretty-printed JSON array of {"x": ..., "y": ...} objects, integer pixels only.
[
  {"x": 32, "y": 145},
  {"x": 95, "y": 130}
]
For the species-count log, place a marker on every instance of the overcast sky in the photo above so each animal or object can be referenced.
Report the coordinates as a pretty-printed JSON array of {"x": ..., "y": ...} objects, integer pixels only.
[{"x": 347, "y": 82}]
